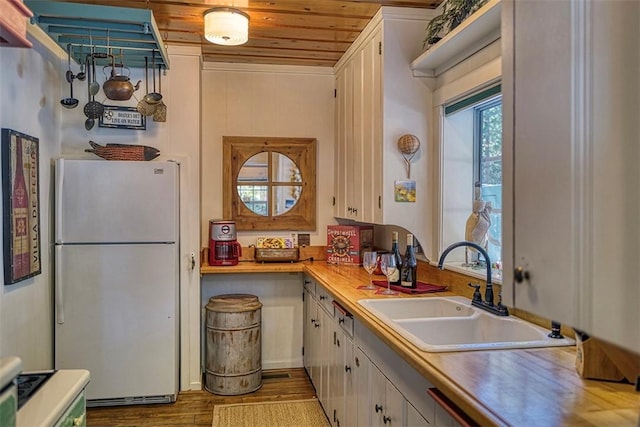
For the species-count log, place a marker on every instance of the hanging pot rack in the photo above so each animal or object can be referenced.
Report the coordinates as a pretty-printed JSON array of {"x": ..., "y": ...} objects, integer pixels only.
[{"x": 103, "y": 30}]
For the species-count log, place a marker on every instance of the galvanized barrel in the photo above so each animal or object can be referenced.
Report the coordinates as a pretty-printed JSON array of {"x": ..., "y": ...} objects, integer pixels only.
[{"x": 233, "y": 344}]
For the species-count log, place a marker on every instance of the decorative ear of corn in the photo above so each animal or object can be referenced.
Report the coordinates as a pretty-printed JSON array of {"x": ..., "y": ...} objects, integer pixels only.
[{"x": 123, "y": 151}]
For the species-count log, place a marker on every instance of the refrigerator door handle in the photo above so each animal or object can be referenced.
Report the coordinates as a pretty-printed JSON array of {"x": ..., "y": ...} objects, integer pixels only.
[
  {"x": 58, "y": 198},
  {"x": 58, "y": 287}
]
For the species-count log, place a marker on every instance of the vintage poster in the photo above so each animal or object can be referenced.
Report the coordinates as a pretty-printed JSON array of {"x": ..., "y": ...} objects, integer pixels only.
[{"x": 21, "y": 209}]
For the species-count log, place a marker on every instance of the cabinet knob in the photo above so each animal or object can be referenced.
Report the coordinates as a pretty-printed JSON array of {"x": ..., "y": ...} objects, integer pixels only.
[
  {"x": 378, "y": 408},
  {"x": 347, "y": 368},
  {"x": 341, "y": 320},
  {"x": 357, "y": 362},
  {"x": 386, "y": 419},
  {"x": 317, "y": 325},
  {"x": 520, "y": 274}
]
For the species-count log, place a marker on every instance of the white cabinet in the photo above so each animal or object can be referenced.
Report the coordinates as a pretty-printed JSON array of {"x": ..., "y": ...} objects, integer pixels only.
[
  {"x": 358, "y": 379},
  {"x": 414, "y": 419},
  {"x": 377, "y": 101},
  {"x": 387, "y": 402},
  {"x": 317, "y": 338},
  {"x": 570, "y": 144},
  {"x": 361, "y": 396}
]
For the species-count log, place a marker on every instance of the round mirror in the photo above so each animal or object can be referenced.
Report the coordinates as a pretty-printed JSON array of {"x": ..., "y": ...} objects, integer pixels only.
[{"x": 267, "y": 183}]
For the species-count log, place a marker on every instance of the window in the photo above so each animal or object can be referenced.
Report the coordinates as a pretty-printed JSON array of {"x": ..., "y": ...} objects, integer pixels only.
[
  {"x": 472, "y": 172},
  {"x": 488, "y": 145}
]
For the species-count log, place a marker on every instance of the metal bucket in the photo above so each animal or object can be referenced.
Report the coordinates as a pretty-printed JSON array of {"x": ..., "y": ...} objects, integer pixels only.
[{"x": 233, "y": 344}]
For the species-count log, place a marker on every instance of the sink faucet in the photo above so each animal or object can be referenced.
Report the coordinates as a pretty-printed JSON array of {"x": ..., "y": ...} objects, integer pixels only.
[{"x": 477, "y": 301}]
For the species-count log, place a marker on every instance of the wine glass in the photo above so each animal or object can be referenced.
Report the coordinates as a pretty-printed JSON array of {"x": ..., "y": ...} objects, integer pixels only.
[
  {"x": 369, "y": 262},
  {"x": 388, "y": 267}
]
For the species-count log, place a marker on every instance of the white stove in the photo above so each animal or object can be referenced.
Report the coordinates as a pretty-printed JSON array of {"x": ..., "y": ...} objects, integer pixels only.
[
  {"x": 10, "y": 367},
  {"x": 57, "y": 396}
]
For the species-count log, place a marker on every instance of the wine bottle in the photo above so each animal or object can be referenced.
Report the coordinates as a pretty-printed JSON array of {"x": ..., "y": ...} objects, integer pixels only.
[
  {"x": 408, "y": 272},
  {"x": 394, "y": 279}
]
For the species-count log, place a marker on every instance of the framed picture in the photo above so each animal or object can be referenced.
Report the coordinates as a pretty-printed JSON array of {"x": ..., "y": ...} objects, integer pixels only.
[
  {"x": 405, "y": 191},
  {"x": 20, "y": 206},
  {"x": 122, "y": 117}
]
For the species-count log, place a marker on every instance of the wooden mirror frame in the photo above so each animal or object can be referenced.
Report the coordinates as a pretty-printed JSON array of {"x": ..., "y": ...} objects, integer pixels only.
[{"x": 237, "y": 150}]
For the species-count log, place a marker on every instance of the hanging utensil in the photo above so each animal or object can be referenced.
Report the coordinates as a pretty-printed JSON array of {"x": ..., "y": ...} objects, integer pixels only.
[
  {"x": 408, "y": 146},
  {"x": 143, "y": 106},
  {"x": 160, "y": 115},
  {"x": 92, "y": 109},
  {"x": 94, "y": 86},
  {"x": 154, "y": 97},
  {"x": 69, "y": 102}
]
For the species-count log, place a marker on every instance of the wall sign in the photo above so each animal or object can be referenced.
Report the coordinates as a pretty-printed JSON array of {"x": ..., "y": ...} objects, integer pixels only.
[
  {"x": 20, "y": 206},
  {"x": 122, "y": 117}
]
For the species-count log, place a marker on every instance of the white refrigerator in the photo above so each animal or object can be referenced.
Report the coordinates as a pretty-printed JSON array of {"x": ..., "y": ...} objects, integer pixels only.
[{"x": 117, "y": 279}]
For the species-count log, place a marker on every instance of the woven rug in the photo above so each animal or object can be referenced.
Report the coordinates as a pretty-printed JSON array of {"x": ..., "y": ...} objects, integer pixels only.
[{"x": 290, "y": 413}]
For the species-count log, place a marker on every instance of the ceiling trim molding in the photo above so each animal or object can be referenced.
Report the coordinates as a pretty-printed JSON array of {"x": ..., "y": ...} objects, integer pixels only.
[
  {"x": 385, "y": 13},
  {"x": 266, "y": 68}
]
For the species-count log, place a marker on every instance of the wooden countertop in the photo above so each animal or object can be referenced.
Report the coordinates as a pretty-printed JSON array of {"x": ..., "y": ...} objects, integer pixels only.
[{"x": 525, "y": 387}]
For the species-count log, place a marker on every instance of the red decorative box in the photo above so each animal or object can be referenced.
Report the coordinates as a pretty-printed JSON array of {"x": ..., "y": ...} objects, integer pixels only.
[{"x": 345, "y": 243}]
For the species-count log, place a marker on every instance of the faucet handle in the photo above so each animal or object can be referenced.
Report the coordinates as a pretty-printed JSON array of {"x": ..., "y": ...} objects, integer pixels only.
[{"x": 477, "y": 296}]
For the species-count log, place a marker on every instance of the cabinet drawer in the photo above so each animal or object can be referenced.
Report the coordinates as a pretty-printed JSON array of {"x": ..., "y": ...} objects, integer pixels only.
[
  {"x": 310, "y": 286},
  {"x": 325, "y": 299},
  {"x": 344, "y": 318}
]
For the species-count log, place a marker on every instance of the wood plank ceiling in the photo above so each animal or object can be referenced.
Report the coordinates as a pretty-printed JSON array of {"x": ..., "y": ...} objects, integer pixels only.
[{"x": 285, "y": 32}]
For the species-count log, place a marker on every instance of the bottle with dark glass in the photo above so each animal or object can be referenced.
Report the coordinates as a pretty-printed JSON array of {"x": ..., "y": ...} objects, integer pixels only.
[
  {"x": 409, "y": 270},
  {"x": 394, "y": 279}
]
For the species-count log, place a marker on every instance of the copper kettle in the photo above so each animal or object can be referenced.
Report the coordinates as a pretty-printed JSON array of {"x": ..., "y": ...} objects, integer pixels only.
[{"x": 118, "y": 87}]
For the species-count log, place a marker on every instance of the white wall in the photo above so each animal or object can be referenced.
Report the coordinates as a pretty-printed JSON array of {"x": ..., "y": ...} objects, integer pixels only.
[
  {"x": 259, "y": 100},
  {"x": 282, "y": 320},
  {"x": 30, "y": 93}
]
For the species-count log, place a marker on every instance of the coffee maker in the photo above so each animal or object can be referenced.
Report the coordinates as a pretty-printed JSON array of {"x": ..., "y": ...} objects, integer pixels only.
[{"x": 224, "y": 249}]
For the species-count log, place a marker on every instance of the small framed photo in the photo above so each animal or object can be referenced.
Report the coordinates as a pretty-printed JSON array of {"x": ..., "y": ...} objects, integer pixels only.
[
  {"x": 405, "y": 191},
  {"x": 20, "y": 206}
]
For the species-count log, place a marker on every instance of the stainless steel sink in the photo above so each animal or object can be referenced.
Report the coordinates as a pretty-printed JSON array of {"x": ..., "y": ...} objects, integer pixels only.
[{"x": 439, "y": 324}]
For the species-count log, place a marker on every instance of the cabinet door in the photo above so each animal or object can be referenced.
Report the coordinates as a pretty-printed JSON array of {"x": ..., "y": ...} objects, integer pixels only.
[
  {"x": 378, "y": 406},
  {"x": 324, "y": 358},
  {"x": 370, "y": 127},
  {"x": 575, "y": 209},
  {"x": 307, "y": 331},
  {"x": 545, "y": 213},
  {"x": 414, "y": 419},
  {"x": 337, "y": 392},
  {"x": 362, "y": 392},
  {"x": 343, "y": 134},
  {"x": 350, "y": 417},
  {"x": 395, "y": 403}
]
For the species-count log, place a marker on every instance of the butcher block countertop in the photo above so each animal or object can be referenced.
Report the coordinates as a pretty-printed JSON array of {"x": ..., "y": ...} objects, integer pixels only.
[{"x": 525, "y": 387}]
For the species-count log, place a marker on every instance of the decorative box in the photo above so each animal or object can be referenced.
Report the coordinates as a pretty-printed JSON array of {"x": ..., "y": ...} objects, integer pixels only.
[
  {"x": 276, "y": 255},
  {"x": 345, "y": 243}
]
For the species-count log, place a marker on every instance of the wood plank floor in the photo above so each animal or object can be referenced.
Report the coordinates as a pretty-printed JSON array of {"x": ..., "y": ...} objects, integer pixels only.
[{"x": 195, "y": 408}]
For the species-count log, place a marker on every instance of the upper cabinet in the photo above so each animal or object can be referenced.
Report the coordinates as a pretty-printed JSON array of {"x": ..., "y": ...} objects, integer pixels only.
[
  {"x": 570, "y": 105},
  {"x": 13, "y": 23},
  {"x": 377, "y": 101}
]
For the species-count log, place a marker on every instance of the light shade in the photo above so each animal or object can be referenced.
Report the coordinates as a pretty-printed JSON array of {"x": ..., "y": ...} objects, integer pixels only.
[{"x": 226, "y": 26}]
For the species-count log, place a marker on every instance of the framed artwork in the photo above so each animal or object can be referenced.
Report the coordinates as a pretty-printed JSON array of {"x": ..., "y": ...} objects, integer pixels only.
[
  {"x": 405, "y": 191},
  {"x": 20, "y": 206}
]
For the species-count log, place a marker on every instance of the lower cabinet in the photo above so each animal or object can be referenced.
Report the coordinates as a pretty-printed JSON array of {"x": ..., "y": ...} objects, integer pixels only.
[
  {"x": 358, "y": 379},
  {"x": 387, "y": 403}
]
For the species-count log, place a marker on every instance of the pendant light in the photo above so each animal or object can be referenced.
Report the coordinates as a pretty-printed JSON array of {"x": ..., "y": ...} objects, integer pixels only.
[{"x": 226, "y": 26}]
